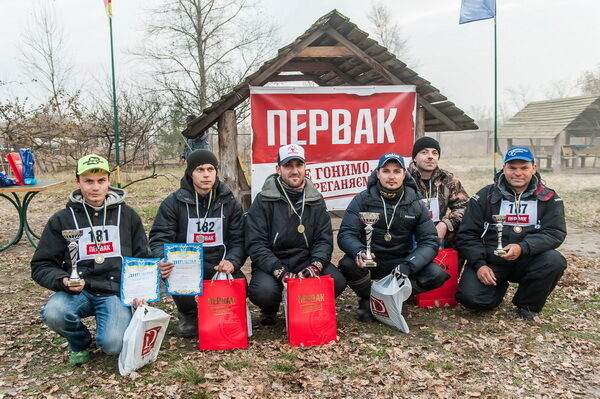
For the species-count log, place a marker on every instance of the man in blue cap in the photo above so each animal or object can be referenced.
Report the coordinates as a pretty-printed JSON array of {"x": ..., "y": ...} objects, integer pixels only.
[
  {"x": 534, "y": 226},
  {"x": 391, "y": 192}
]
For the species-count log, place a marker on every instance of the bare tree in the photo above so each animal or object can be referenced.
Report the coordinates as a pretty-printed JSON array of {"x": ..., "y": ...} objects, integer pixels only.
[
  {"x": 518, "y": 97},
  {"x": 589, "y": 82},
  {"x": 201, "y": 48},
  {"x": 560, "y": 89},
  {"x": 386, "y": 31},
  {"x": 43, "y": 53}
]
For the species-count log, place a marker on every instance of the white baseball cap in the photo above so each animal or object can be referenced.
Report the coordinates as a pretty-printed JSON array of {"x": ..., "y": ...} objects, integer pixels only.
[{"x": 288, "y": 152}]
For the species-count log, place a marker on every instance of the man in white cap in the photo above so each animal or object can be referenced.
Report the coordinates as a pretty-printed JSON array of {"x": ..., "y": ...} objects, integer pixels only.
[{"x": 288, "y": 233}]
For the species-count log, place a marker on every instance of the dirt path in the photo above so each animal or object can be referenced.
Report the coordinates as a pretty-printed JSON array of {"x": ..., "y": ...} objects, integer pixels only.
[{"x": 582, "y": 242}]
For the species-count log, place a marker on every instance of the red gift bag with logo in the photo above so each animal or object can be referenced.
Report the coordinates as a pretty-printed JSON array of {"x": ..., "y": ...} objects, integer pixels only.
[
  {"x": 310, "y": 311},
  {"x": 447, "y": 259},
  {"x": 16, "y": 165},
  {"x": 222, "y": 315}
]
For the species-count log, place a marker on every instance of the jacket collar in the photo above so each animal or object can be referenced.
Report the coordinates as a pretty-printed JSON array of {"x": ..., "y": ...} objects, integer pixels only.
[{"x": 271, "y": 192}]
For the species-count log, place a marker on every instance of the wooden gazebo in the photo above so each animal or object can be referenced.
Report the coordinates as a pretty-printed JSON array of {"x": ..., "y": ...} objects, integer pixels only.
[{"x": 332, "y": 52}]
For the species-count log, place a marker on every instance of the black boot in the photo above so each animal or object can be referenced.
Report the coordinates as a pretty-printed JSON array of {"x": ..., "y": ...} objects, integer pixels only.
[
  {"x": 364, "y": 310},
  {"x": 268, "y": 319},
  {"x": 188, "y": 325}
]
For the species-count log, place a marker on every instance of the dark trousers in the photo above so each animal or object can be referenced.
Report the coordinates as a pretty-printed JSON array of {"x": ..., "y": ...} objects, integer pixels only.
[
  {"x": 265, "y": 290},
  {"x": 186, "y": 304},
  {"x": 537, "y": 276},
  {"x": 427, "y": 278}
]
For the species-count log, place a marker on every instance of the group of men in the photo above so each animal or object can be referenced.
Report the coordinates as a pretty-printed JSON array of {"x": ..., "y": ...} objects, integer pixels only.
[{"x": 287, "y": 233}]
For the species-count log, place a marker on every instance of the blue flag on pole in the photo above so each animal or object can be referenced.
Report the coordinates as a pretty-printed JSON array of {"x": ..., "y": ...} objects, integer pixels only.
[{"x": 476, "y": 10}]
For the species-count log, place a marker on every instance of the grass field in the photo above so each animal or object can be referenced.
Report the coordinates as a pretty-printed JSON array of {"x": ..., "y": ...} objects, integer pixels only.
[{"x": 450, "y": 352}]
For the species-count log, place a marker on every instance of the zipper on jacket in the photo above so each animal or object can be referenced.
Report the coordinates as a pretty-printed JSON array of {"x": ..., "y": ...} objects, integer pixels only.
[{"x": 275, "y": 239}]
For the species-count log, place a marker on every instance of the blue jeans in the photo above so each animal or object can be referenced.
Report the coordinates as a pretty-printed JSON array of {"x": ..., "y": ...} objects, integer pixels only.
[{"x": 63, "y": 313}]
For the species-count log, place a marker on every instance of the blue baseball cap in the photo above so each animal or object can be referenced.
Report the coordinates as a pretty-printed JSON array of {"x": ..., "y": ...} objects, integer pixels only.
[
  {"x": 390, "y": 156},
  {"x": 520, "y": 153}
]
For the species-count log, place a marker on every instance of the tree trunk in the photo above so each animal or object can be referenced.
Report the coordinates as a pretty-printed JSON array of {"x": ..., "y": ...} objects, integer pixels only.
[{"x": 228, "y": 163}]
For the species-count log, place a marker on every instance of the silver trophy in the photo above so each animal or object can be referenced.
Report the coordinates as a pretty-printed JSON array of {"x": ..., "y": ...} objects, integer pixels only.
[
  {"x": 499, "y": 219},
  {"x": 72, "y": 236},
  {"x": 369, "y": 219}
]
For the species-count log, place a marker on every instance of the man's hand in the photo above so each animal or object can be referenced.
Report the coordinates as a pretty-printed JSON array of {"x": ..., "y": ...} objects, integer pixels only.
[
  {"x": 138, "y": 302},
  {"x": 310, "y": 271},
  {"x": 284, "y": 276},
  {"x": 165, "y": 268},
  {"x": 513, "y": 251},
  {"x": 77, "y": 288},
  {"x": 486, "y": 275},
  {"x": 225, "y": 266},
  {"x": 442, "y": 229},
  {"x": 361, "y": 257}
]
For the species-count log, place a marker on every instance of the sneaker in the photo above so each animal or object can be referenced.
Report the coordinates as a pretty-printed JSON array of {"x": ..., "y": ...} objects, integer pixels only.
[
  {"x": 79, "y": 358},
  {"x": 363, "y": 312},
  {"x": 526, "y": 314},
  {"x": 187, "y": 327},
  {"x": 268, "y": 319}
]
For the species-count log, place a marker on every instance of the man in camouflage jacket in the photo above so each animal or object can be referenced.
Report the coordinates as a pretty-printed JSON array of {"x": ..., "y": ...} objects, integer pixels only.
[{"x": 441, "y": 191}]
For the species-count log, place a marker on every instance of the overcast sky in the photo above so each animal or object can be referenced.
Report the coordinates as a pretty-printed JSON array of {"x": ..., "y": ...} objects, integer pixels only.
[{"x": 539, "y": 41}]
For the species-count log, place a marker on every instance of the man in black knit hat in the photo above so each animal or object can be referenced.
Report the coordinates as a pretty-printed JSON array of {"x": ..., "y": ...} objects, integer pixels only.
[
  {"x": 442, "y": 193},
  {"x": 391, "y": 192},
  {"x": 288, "y": 234},
  {"x": 203, "y": 210}
]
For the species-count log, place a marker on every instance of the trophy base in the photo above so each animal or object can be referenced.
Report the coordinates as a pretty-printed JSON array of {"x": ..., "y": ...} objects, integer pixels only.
[
  {"x": 370, "y": 263},
  {"x": 74, "y": 283},
  {"x": 499, "y": 252}
]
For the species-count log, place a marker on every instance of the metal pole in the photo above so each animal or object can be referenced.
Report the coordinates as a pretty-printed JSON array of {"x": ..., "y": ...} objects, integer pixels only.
[
  {"x": 496, "y": 146},
  {"x": 115, "y": 112}
]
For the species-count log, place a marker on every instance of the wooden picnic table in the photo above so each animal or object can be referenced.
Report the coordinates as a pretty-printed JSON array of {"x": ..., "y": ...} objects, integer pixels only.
[{"x": 21, "y": 205}]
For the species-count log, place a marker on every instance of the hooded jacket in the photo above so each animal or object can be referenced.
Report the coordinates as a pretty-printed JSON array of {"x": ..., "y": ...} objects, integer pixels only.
[
  {"x": 272, "y": 238},
  {"x": 411, "y": 218},
  {"x": 170, "y": 224},
  {"x": 477, "y": 236},
  {"x": 51, "y": 261}
]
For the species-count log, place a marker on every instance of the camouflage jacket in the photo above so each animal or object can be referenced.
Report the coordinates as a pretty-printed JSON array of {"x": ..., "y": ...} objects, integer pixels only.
[{"x": 451, "y": 195}]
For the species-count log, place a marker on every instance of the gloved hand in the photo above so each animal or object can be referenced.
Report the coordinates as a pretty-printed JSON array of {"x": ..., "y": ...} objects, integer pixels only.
[
  {"x": 310, "y": 271},
  {"x": 282, "y": 275},
  {"x": 402, "y": 270}
]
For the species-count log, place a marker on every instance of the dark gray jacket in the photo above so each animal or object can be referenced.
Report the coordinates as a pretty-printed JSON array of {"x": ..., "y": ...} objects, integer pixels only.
[
  {"x": 411, "y": 219},
  {"x": 477, "y": 236},
  {"x": 170, "y": 224},
  {"x": 272, "y": 238},
  {"x": 51, "y": 261}
]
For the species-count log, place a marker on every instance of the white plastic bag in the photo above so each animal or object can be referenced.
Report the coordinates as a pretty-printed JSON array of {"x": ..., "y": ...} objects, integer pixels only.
[
  {"x": 387, "y": 297},
  {"x": 142, "y": 338}
]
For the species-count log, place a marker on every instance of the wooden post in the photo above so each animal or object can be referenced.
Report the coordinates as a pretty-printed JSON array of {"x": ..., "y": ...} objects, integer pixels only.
[
  {"x": 559, "y": 141},
  {"x": 227, "y": 127},
  {"x": 420, "y": 123}
]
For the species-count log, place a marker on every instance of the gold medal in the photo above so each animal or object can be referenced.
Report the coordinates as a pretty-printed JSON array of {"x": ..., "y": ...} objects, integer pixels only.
[
  {"x": 517, "y": 229},
  {"x": 387, "y": 237},
  {"x": 301, "y": 228},
  {"x": 99, "y": 259}
]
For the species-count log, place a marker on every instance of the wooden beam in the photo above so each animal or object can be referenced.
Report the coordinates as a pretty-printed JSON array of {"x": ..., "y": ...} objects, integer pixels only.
[
  {"x": 325, "y": 52},
  {"x": 292, "y": 78},
  {"x": 389, "y": 76},
  {"x": 306, "y": 66},
  {"x": 241, "y": 94},
  {"x": 420, "y": 123},
  {"x": 228, "y": 165}
]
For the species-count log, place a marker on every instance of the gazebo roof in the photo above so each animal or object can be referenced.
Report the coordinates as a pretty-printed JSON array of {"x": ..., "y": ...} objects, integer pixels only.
[
  {"x": 333, "y": 52},
  {"x": 546, "y": 119}
]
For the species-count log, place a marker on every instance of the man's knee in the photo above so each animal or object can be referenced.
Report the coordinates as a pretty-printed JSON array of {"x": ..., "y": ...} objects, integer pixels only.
[
  {"x": 350, "y": 270},
  {"x": 111, "y": 343},
  {"x": 552, "y": 261},
  {"x": 56, "y": 313},
  {"x": 431, "y": 277},
  {"x": 473, "y": 294},
  {"x": 339, "y": 281},
  {"x": 264, "y": 290}
]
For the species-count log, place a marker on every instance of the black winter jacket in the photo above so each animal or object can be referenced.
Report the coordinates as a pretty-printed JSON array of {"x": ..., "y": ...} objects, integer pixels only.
[
  {"x": 170, "y": 224},
  {"x": 51, "y": 261},
  {"x": 411, "y": 218},
  {"x": 272, "y": 238},
  {"x": 477, "y": 236}
]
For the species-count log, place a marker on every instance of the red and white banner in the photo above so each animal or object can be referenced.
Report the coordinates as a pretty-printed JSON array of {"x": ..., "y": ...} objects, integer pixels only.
[{"x": 343, "y": 129}]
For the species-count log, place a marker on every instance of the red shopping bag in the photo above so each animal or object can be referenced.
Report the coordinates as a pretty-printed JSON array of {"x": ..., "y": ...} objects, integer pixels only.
[
  {"x": 222, "y": 317},
  {"x": 16, "y": 165},
  {"x": 310, "y": 311},
  {"x": 444, "y": 295}
]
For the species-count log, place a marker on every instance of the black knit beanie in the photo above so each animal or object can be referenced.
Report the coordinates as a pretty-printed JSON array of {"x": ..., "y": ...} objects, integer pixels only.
[
  {"x": 425, "y": 142},
  {"x": 200, "y": 157}
]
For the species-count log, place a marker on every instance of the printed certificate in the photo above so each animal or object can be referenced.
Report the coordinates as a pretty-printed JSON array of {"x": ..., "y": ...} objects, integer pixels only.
[
  {"x": 140, "y": 278},
  {"x": 188, "y": 271}
]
